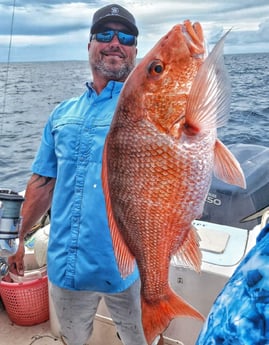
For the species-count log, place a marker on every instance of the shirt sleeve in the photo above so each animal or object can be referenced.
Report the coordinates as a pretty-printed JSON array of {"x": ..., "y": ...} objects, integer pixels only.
[{"x": 45, "y": 162}]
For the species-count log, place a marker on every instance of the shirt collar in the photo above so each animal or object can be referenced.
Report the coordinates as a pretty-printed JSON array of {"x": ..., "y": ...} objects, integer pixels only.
[{"x": 114, "y": 87}]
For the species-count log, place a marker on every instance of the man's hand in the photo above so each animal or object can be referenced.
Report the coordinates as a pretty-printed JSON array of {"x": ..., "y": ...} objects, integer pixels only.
[{"x": 16, "y": 263}]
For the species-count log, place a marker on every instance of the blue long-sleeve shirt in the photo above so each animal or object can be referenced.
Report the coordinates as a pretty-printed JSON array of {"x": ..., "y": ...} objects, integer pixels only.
[{"x": 80, "y": 251}]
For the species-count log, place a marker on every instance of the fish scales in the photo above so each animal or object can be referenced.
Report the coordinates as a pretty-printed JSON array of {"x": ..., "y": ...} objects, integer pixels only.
[{"x": 157, "y": 167}]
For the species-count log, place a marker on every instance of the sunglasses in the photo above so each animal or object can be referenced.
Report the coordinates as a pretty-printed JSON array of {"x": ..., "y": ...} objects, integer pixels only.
[{"x": 108, "y": 35}]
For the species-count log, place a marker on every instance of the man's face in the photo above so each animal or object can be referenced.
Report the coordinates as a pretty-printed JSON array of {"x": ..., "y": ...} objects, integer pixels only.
[{"x": 112, "y": 60}]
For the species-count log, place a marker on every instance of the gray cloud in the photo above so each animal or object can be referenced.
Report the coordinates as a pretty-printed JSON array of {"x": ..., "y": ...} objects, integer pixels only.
[{"x": 42, "y": 28}]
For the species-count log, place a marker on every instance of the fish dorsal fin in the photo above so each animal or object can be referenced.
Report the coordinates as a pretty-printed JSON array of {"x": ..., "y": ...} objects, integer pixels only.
[
  {"x": 226, "y": 166},
  {"x": 189, "y": 253},
  {"x": 209, "y": 100},
  {"x": 125, "y": 259}
]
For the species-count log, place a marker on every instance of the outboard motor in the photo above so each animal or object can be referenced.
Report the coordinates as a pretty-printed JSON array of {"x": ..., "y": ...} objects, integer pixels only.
[
  {"x": 10, "y": 220},
  {"x": 233, "y": 206}
]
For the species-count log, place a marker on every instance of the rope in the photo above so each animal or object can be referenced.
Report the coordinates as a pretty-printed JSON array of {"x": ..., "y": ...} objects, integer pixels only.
[
  {"x": 8, "y": 65},
  {"x": 38, "y": 337}
]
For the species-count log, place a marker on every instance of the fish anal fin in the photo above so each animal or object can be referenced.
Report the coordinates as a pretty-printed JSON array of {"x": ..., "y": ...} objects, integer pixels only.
[
  {"x": 157, "y": 315},
  {"x": 226, "y": 166},
  {"x": 189, "y": 253},
  {"x": 124, "y": 257}
]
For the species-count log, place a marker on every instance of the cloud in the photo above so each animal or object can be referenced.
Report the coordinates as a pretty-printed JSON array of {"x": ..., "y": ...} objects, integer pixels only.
[
  {"x": 264, "y": 30},
  {"x": 34, "y": 20},
  {"x": 59, "y": 29}
]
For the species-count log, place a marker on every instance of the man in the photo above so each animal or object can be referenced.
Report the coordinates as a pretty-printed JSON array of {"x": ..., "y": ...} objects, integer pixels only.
[{"x": 67, "y": 178}]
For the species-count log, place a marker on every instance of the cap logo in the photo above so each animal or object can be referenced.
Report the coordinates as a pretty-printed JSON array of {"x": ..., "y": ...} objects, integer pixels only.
[{"x": 115, "y": 11}]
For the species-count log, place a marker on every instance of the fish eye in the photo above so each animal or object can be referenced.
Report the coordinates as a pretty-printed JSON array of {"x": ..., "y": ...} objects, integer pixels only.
[{"x": 156, "y": 67}]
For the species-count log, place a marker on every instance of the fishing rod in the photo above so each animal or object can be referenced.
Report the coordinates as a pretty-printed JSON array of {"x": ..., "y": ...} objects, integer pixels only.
[{"x": 8, "y": 66}]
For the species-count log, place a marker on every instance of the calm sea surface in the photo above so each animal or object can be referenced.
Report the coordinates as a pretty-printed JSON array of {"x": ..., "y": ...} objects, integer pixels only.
[{"x": 34, "y": 89}]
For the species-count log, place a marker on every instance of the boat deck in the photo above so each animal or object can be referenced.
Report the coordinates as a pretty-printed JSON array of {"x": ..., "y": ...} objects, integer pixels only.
[
  {"x": 42, "y": 334},
  {"x": 11, "y": 334}
]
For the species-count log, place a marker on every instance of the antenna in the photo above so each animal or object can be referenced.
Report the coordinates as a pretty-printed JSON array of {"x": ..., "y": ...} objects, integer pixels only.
[{"x": 7, "y": 70}]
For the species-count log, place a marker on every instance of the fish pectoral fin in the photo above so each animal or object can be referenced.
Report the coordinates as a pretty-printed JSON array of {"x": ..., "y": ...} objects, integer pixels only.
[
  {"x": 124, "y": 257},
  {"x": 208, "y": 104},
  {"x": 226, "y": 166},
  {"x": 189, "y": 253}
]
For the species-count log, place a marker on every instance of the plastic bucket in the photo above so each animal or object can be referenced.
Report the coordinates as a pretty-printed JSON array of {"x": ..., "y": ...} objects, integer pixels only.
[{"x": 26, "y": 303}]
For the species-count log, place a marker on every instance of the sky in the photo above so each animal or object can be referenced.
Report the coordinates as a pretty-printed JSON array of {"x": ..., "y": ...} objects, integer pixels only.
[{"x": 48, "y": 30}]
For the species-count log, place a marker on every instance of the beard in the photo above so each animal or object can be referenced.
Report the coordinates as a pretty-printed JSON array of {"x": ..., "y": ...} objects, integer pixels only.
[{"x": 112, "y": 70}]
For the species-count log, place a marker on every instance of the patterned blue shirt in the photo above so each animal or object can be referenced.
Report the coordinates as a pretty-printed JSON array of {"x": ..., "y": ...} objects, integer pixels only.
[
  {"x": 80, "y": 251},
  {"x": 240, "y": 313}
]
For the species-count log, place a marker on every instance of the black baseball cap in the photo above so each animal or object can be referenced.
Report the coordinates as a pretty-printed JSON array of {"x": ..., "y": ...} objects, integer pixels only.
[{"x": 113, "y": 13}]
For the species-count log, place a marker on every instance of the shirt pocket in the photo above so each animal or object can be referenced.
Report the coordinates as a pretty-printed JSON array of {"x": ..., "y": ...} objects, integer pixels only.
[
  {"x": 67, "y": 133},
  {"x": 98, "y": 137}
]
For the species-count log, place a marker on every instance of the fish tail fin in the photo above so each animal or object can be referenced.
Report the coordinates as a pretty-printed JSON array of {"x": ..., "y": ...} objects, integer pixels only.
[{"x": 156, "y": 317}]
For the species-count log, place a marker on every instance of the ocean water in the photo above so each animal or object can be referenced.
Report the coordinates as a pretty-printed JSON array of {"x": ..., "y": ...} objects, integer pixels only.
[{"x": 32, "y": 90}]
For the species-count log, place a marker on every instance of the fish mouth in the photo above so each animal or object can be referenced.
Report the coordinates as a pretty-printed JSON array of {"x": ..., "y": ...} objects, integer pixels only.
[{"x": 194, "y": 38}]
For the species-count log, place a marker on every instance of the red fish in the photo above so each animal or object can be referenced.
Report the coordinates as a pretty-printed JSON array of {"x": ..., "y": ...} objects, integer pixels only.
[{"x": 159, "y": 156}]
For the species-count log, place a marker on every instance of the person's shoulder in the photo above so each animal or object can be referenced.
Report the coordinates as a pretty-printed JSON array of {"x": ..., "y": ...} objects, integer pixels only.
[
  {"x": 71, "y": 101},
  {"x": 64, "y": 106}
]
